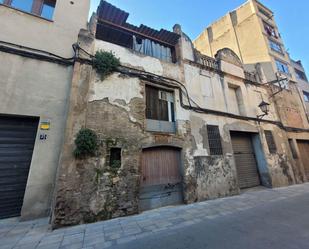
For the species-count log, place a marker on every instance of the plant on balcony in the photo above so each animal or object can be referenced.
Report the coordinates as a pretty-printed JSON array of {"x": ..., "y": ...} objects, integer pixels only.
[{"x": 105, "y": 63}]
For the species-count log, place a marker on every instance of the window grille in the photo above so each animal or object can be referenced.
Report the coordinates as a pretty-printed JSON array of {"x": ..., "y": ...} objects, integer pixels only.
[{"x": 214, "y": 140}]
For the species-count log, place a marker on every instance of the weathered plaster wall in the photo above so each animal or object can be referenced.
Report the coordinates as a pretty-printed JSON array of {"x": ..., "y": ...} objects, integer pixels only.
[
  {"x": 89, "y": 189},
  {"x": 298, "y": 166},
  {"x": 290, "y": 107},
  {"x": 203, "y": 86},
  {"x": 215, "y": 175},
  {"x": 140, "y": 61},
  {"x": 279, "y": 163},
  {"x": 275, "y": 169}
]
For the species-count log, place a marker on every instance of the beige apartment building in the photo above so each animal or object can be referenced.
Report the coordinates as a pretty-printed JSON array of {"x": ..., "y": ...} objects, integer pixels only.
[
  {"x": 36, "y": 58},
  {"x": 251, "y": 32}
]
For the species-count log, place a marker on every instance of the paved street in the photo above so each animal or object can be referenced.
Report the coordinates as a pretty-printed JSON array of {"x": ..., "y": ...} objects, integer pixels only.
[{"x": 265, "y": 218}]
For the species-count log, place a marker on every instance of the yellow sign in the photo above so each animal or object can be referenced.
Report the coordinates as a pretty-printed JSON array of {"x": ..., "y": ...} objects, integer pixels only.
[{"x": 45, "y": 125}]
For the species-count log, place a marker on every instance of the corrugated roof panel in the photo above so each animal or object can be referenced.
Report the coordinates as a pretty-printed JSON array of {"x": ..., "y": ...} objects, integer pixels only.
[{"x": 110, "y": 13}]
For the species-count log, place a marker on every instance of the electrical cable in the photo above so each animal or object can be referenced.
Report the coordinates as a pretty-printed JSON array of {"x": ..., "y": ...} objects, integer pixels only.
[
  {"x": 183, "y": 91},
  {"x": 36, "y": 50}
]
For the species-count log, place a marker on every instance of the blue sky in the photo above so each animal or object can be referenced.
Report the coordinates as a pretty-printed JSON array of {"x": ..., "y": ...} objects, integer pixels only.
[{"x": 291, "y": 16}]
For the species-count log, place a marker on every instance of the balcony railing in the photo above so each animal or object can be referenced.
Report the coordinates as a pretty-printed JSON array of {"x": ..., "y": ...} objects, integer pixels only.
[
  {"x": 209, "y": 62},
  {"x": 251, "y": 76}
]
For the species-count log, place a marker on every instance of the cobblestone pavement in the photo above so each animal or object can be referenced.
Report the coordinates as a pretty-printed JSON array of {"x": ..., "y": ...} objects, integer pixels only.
[{"x": 127, "y": 230}]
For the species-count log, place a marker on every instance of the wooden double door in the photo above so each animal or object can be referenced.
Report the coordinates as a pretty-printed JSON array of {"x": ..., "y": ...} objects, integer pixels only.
[{"x": 161, "y": 183}]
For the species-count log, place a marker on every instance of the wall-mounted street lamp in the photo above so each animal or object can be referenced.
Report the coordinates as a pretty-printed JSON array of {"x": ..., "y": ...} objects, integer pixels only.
[{"x": 264, "y": 106}]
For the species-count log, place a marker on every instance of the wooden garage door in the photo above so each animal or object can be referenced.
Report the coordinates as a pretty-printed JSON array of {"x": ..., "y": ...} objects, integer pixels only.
[
  {"x": 161, "y": 179},
  {"x": 303, "y": 147},
  {"x": 17, "y": 137},
  {"x": 245, "y": 160},
  {"x": 160, "y": 166}
]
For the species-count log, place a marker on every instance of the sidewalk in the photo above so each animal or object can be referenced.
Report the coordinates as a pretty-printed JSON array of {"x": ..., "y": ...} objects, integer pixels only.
[{"x": 105, "y": 234}]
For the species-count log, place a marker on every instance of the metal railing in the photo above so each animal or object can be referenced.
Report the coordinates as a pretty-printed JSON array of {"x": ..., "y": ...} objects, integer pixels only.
[
  {"x": 251, "y": 76},
  {"x": 209, "y": 62}
]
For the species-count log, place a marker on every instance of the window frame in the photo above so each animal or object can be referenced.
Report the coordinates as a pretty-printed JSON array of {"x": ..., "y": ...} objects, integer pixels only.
[
  {"x": 214, "y": 138},
  {"x": 36, "y": 8},
  {"x": 282, "y": 64},
  {"x": 274, "y": 45},
  {"x": 300, "y": 75},
  {"x": 115, "y": 156},
  {"x": 160, "y": 113},
  {"x": 272, "y": 32}
]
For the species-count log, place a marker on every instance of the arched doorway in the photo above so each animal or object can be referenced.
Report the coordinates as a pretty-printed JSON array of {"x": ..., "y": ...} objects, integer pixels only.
[{"x": 161, "y": 181}]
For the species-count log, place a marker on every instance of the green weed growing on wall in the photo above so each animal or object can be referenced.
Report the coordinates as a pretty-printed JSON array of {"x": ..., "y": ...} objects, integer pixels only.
[
  {"x": 105, "y": 63},
  {"x": 86, "y": 143}
]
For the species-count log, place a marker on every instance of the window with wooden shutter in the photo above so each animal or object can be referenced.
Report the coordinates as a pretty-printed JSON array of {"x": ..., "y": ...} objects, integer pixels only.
[
  {"x": 214, "y": 140},
  {"x": 270, "y": 142},
  {"x": 160, "y": 113}
]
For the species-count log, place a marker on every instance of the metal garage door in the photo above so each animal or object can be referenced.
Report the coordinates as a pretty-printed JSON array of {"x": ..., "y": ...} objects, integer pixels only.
[
  {"x": 245, "y": 160},
  {"x": 161, "y": 179},
  {"x": 303, "y": 147},
  {"x": 17, "y": 137}
]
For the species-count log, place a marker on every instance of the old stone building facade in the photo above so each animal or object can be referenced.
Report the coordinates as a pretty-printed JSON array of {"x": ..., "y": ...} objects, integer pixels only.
[
  {"x": 177, "y": 121},
  {"x": 185, "y": 127}
]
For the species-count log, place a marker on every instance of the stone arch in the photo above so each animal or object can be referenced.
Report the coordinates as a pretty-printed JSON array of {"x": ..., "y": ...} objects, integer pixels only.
[{"x": 172, "y": 146}]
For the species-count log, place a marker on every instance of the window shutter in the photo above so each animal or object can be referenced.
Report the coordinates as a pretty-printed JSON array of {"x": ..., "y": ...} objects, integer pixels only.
[
  {"x": 157, "y": 104},
  {"x": 152, "y": 103}
]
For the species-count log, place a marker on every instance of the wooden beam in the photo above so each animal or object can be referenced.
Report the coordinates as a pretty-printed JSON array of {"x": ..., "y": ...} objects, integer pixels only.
[{"x": 100, "y": 21}]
